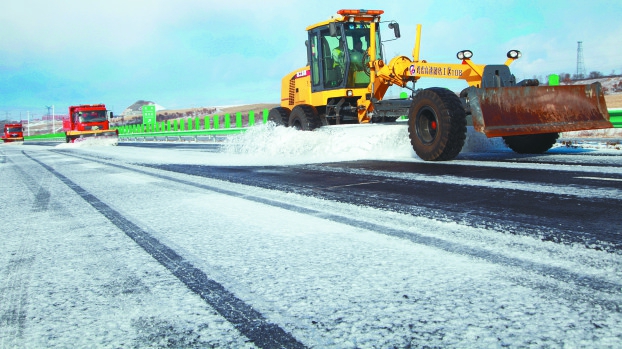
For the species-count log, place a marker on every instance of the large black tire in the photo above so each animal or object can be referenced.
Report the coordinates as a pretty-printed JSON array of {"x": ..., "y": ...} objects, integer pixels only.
[
  {"x": 305, "y": 118},
  {"x": 437, "y": 124},
  {"x": 279, "y": 115},
  {"x": 531, "y": 144}
]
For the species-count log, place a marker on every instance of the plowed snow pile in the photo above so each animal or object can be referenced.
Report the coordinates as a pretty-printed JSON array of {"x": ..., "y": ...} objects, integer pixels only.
[
  {"x": 10, "y": 143},
  {"x": 90, "y": 142},
  {"x": 342, "y": 143},
  {"x": 271, "y": 145}
]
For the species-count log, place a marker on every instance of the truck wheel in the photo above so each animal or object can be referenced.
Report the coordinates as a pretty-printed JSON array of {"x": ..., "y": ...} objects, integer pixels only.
[
  {"x": 305, "y": 118},
  {"x": 279, "y": 115},
  {"x": 531, "y": 144},
  {"x": 436, "y": 124}
]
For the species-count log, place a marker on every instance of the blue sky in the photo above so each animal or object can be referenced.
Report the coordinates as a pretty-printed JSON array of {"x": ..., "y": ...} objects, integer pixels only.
[{"x": 192, "y": 53}]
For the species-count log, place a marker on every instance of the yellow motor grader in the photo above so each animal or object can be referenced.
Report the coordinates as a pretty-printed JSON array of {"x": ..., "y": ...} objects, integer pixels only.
[{"x": 347, "y": 76}]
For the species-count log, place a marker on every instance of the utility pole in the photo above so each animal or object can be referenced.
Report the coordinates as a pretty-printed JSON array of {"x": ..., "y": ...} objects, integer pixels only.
[{"x": 52, "y": 108}]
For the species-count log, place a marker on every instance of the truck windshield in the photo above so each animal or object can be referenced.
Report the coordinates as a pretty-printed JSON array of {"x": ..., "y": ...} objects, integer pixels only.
[
  {"x": 91, "y": 116},
  {"x": 14, "y": 129}
]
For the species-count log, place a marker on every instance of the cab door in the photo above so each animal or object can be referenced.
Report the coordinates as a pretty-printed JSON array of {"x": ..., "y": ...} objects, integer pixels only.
[{"x": 328, "y": 60}]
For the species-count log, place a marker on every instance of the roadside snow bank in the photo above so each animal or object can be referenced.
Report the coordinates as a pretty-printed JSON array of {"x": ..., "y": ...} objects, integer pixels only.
[
  {"x": 344, "y": 142},
  {"x": 337, "y": 143},
  {"x": 90, "y": 142},
  {"x": 602, "y": 133}
]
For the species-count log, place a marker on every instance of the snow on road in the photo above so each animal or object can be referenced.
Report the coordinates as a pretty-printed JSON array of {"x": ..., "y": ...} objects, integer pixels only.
[{"x": 333, "y": 275}]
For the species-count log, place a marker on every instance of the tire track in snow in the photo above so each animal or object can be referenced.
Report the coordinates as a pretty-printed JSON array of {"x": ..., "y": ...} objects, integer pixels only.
[
  {"x": 42, "y": 195},
  {"x": 581, "y": 286},
  {"x": 15, "y": 297},
  {"x": 15, "y": 277},
  {"x": 244, "y": 318}
]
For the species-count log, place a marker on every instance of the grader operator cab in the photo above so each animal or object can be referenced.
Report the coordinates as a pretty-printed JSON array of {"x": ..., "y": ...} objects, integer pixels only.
[{"x": 347, "y": 76}]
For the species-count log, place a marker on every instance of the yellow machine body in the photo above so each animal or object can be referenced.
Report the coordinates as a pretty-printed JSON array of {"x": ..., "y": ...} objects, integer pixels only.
[{"x": 347, "y": 76}]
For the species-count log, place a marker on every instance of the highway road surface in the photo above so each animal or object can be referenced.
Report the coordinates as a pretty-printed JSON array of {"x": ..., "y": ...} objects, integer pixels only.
[{"x": 199, "y": 246}]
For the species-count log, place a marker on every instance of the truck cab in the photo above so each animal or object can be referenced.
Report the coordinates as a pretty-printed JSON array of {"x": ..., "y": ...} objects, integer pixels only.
[
  {"x": 13, "y": 133},
  {"x": 88, "y": 120}
]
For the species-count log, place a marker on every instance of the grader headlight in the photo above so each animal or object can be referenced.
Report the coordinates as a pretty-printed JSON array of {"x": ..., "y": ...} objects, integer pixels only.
[
  {"x": 514, "y": 54},
  {"x": 464, "y": 54}
]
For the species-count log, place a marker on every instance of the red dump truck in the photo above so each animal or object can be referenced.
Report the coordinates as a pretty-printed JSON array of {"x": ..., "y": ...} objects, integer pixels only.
[
  {"x": 13, "y": 133},
  {"x": 89, "y": 121}
]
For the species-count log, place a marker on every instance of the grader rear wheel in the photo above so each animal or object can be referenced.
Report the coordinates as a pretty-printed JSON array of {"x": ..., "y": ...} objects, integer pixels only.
[
  {"x": 437, "y": 124},
  {"x": 305, "y": 118},
  {"x": 279, "y": 116}
]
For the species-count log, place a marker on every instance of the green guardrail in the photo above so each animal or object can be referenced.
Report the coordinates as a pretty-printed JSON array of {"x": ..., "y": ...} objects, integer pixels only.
[
  {"x": 212, "y": 126},
  {"x": 189, "y": 127},
  {"x": 196, "y": 126},
  {"x": 46, "y": 137},
  {"x": 615, "y": 116},
  {"x": 184, "y": 133}
]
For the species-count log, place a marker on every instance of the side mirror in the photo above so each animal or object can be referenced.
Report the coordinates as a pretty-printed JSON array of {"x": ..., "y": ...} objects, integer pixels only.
[
  {"x": 396, "y": 29},
  {"x": 332, "y": 29},
  {"x": 110, "y": 116}
]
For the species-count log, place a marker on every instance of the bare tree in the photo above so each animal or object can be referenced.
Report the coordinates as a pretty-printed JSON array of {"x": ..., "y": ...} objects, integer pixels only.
[
  {"x": 564, "y": 78},
  {"x": 595, "y": 75}
]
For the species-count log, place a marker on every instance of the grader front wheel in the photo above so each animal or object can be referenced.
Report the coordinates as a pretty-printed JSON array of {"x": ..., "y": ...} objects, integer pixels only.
[{"x": 437, "y": 124}]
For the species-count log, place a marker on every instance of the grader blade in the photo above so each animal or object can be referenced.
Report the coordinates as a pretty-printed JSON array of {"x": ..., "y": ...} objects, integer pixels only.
[{"x": 510, "y": 111}]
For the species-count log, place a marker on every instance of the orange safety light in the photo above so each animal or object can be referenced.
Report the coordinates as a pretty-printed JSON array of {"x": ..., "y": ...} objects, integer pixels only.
[{"x": 360, "y": 12}]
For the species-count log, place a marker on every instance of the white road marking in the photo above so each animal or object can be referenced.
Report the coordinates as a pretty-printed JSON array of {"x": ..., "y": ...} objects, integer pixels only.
[{"x": 602, "y": 179}]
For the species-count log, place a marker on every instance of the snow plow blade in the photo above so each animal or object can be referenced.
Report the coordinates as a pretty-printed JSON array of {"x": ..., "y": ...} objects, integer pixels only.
[
  {"x": 521, "y": 110},
  {"x": 13, "y": 140},
  {"x": 110, "y": 136}
]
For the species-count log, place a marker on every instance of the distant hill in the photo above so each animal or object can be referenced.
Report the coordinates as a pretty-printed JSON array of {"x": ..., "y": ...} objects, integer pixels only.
[
  {"x": 611, "y": 84},
  {"x": 136, "y": 108}
]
